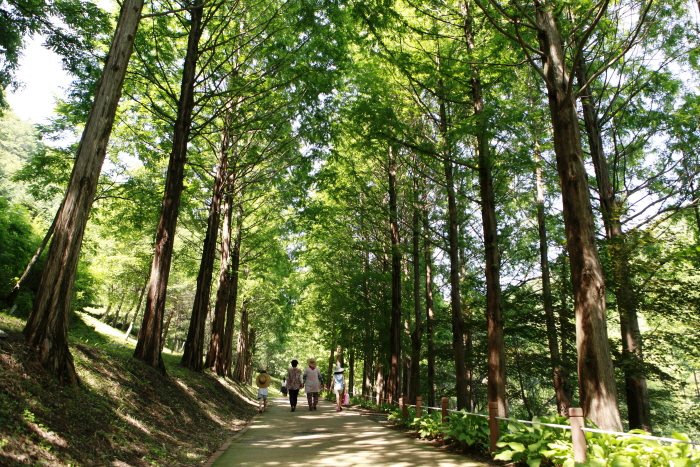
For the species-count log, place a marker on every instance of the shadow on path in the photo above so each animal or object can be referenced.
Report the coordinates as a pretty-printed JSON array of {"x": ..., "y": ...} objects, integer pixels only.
[{"x": 280, "y": 437}]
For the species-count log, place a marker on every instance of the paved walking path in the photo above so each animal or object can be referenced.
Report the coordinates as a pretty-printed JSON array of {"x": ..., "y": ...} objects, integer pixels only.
[{"x": 280, "y": 437}]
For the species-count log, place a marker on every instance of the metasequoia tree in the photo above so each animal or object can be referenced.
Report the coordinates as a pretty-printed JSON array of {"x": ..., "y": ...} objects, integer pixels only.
[
  {"x": 200, "y": 307},
  {"x": 417, "y": 333},
  {"x": 214, "y": 360},
  {"x": 620, "y": 117},
  {"x": 429, "y": 306},
  {"x": 435, "y": 80},
  {"x": 47, "y": 326},
  {"x": 492, "y": 257},
  {"x": 395, "y": 324},
  {"x": 561, "y": 391},
  {"x": 611, "y": 209},
  {"x": 148, "y": 347},
  {"x": 543, "y": 22}
]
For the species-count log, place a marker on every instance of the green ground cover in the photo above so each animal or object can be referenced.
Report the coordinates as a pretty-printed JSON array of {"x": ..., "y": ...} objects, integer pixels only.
[{"x": 123, "y": 413}]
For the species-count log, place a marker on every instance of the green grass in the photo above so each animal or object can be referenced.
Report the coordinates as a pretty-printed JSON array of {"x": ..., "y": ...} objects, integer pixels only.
[{"x": 122, "y": 414}]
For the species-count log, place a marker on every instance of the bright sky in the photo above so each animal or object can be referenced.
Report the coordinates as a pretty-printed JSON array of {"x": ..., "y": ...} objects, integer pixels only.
[{"x": 44, "y": 80}]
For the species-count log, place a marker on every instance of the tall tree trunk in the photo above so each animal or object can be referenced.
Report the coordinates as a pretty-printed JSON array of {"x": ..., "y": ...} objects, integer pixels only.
[
  {"x": 417, "y": 334},
  {"x": 239, "y": 373},
  {"x": 379, "y": 386},
  {"x": 47, "y": 326},
  {"x": 194, "y": 346},
  {"x": 639, "y": 411},
  {"x": 453, "y": 240},
  {"x": 395, "y": 326},
  {"x": 558, "y": 370},
  {"x": 595, "y": 369},
  {"x": 226, "y": 357},
  {"x": 148, "y": 345},
  {"x": 166, "y": 328},
  {"x": 405, "y": 356},
  {"x": 351, "y": 372},
  {"x": 494, "y": 314},
  {"x": 331, "y": 360},
  {"x": 222, "y": 291},
  {"x": 250, "y": 352},
  {"x": 567, "y": 332},
  {"x": 119, "y": 309},
  {"x": 367, "y": 347},
  {"x": 136, "y": 311},
  {"x": 429, "y": 310}
]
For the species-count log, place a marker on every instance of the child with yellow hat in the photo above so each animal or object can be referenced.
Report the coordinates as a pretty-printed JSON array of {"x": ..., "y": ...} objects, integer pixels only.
[{"x": 263, "y": 382}]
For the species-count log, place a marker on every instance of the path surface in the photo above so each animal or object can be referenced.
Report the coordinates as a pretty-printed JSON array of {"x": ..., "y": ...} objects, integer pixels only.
[{"x": 280, "y": 437}]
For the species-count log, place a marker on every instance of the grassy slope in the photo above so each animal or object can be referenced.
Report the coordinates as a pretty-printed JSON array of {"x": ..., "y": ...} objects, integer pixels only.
[{"x": 123, "y": 413}]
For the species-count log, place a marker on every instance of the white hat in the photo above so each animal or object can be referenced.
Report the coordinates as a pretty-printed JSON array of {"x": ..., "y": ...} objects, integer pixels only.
[{"x": 338, "y": 369}]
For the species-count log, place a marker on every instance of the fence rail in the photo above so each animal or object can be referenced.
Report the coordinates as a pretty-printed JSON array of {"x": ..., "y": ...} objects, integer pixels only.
[{"x": 576, "y": 420}]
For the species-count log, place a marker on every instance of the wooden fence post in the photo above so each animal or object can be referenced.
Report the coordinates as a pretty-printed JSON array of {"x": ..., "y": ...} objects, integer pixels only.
[
  {"x": 445, "y": 404},
  {"x": 419, "y": 404},
  {"x": 578, "y": 437},
  {"x": 404, "y": 407},
  {"x": 494, "y": 429}
]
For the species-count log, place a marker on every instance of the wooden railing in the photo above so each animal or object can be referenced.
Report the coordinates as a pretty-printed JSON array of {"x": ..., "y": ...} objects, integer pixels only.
[{"x": 577, "y": 424}]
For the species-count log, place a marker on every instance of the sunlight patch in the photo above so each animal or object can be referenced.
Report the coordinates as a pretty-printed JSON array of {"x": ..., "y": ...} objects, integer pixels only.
[{"x": 136, "y": 423}]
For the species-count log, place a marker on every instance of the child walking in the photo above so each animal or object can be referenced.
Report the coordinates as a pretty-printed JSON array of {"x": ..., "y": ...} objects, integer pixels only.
[{"x": 263, "y": 382}]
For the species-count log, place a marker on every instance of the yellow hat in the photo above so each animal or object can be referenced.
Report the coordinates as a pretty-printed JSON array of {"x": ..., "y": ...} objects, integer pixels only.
[{"x": 263, "y": 380}]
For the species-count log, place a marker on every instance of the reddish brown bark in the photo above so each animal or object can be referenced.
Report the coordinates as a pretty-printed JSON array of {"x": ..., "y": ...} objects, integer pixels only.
[
  {"x": 226, "y": 357},
  {"x": 596, "y": 376},
  {"x": 392, "y": 384},
  {"x": 150, "y": 333},
  {"x": 453, "y": 253},
  {"x": 222, "y": 291},
  {"x": 417, "y": 334},
  {"x": 192, "y": 357},
  {"x": 639, "y": 412},
  {"x": 47, "y": 327},
  {"x": 496, "y": 388},
  {"x": 429, "y": 310},
  {"x": 243, "y": 348}
]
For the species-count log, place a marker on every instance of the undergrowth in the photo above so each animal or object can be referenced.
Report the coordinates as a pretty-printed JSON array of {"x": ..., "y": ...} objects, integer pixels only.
[{"x": 124, "y": 413}]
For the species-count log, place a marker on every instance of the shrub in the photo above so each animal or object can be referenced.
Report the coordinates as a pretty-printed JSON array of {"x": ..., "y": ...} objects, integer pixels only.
[
  {"x": 469, "y": 430},
  {"x": 396, "y": 416},
  {"x": 611, "y": 450},
  {"x": 531, "y": 443},
  {"x": 535, "y": 444},
  {"x": 429, "y": 425}
]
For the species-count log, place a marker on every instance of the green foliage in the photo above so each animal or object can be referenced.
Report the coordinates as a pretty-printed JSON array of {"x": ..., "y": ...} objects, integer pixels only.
[
  {"x": 17, "y": 243},
  {"x": 430, "y": 425},
  {"x": 396, "y": 416},
  {"x": 537, "y": 444},
  {"x": 624, "y": 451},
  {"x": 531, "y": 443},
  {"x": 71, "y": 29},
  {"x": 469, "y": 430}
]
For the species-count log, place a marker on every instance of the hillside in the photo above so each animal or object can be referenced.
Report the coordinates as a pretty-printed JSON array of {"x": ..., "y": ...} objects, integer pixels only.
[{"x": 123, "y": 413}]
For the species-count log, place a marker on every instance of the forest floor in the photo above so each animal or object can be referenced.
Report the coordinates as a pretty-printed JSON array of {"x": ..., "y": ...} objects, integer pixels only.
[{"x": 123, "y": 413}]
